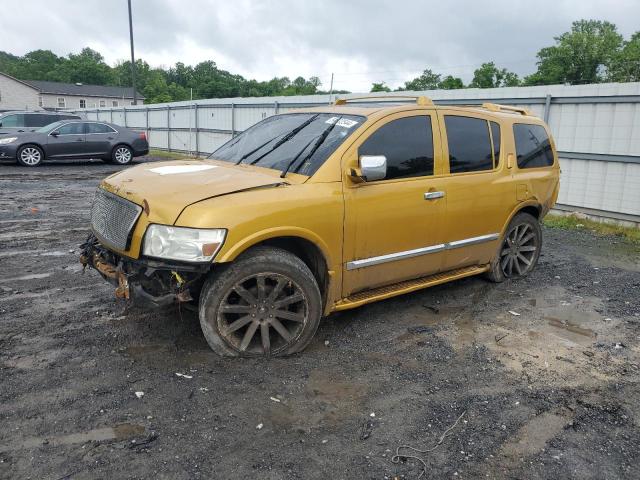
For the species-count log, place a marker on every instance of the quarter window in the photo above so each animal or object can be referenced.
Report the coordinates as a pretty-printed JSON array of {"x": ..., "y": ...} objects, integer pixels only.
[
  {"x": 62, "y": 103},
  {"x": 533, "y": 147},
  {"x": 408, "y": 145},
  {"x": 469, "y": 144}
]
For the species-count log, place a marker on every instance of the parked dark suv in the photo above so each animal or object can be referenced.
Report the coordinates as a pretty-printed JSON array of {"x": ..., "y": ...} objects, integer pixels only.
[
  {"x": 18, "y": 122},
  {"x": 74, "y": 139}
]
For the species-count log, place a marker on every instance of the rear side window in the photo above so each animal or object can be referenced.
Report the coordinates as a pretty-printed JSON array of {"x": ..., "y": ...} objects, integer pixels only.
[
  {"x": 408, "y": 145},
  {"x": 71, "y": 129},
  {"x": 38, "y": 119},
  {"x": 533, "y": 147},
  {"x": 469, "y": 144},
  {"x": 98, "y": 128},
  {"x": 15, "y": 120}
]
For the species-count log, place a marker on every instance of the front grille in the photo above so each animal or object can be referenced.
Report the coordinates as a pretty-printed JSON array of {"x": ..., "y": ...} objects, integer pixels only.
[{"x": 113, "y": 218}]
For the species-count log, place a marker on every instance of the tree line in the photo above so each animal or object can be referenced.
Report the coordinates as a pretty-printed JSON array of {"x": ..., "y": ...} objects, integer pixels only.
[{"x": 593, "y": 51}]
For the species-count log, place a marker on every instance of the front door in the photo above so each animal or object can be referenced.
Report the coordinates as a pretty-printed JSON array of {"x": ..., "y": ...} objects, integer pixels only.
[
  {"x": 393, "y": 226},
  {"x": 69, "y": 141}
]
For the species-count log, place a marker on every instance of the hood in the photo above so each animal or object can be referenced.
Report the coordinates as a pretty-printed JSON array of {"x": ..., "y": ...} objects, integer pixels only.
[{"x": 165, "y": 189}]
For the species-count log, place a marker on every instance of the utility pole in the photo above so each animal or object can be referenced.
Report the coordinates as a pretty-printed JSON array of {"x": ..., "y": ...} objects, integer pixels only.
[
  {"x": 133, "y": 60},
  {"x": 331, "y": 90}
]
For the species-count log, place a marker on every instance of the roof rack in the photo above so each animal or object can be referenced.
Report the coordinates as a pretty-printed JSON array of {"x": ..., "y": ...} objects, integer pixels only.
[
  {"x": 495, "y": 107},
  {"x": 420, "y": 100}
]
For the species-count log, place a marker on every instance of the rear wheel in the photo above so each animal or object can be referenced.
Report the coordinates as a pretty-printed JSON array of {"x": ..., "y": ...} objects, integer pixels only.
[
  {"x": 266, "y": 303},
  {"x": 122, "y": 155},
  {"x": 30, "y": 155},
  {"x": 519, "y": 250}
]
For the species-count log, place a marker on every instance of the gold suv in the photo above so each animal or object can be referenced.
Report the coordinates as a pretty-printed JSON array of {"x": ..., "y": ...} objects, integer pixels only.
[{"x": 324, "y": 209}]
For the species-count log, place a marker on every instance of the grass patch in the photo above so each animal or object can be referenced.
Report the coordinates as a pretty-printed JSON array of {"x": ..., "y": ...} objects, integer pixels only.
[
  {"x": 169, "y": 155},
  {"x": 571, "y": 222}
]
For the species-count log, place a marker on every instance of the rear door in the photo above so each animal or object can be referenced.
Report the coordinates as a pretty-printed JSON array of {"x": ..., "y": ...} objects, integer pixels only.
[
  {"x": 99, "y": 138},
  {"x": 480, "y": 189},
  {"x": 68, "y": 143}
]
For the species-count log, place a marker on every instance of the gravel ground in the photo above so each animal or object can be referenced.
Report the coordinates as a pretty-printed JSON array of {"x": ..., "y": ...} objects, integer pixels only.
[{"x": 536, "y": 378}]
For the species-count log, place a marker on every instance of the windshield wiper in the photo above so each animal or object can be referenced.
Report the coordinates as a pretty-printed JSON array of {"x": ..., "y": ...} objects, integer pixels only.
[
  {"x": 321, "y": 138},
  {"x": 285, "y": 139}
]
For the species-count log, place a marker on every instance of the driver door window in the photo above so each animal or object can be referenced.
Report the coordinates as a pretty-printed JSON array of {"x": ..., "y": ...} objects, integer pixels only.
[{"x": 408, "y": 145}]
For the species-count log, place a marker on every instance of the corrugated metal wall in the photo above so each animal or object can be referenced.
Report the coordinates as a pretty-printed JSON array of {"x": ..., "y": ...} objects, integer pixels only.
[{"x": 596, "y": 128}]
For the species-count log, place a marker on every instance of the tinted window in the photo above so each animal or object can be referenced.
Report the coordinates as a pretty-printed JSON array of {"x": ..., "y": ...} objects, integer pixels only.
[
  {"x": 16, "y": 120},
  {"x": 305, "y": 151},
  {"x": 495, "y": 134},
  {"x": 408, "y": 145},
  {"x": 533, "y": 147},
  {"x": 469, "y": 144},
  {"x": 38, "y": 119},
  {"x": 71, "y": 129},
  {"x": 98, "y": 128}
]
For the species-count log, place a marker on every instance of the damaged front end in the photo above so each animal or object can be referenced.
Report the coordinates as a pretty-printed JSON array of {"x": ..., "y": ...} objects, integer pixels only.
[{"x": 144, "y": 281}]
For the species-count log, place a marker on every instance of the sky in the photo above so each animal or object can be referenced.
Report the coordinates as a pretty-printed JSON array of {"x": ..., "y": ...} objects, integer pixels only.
[{"x": 359, "y": 41}]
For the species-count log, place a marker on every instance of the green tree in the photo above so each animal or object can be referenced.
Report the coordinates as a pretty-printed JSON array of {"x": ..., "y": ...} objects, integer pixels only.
[
  {"x": 379, "y": 87},
  {"x": 625, "y": 66},
  {"x": 427, "y": 81},
  {"x": 450, "y": 83},
  {"x": 490, "y": 76},
  {"x": 583, "y": 55}
]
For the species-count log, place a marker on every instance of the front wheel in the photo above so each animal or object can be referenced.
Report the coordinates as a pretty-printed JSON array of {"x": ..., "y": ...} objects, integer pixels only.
[
  {"x": 519, "y": 250},
  {"x": 30, "y": 156},
  {"x": 266, "y": 303},
  {"x": 122, "y": 155}
]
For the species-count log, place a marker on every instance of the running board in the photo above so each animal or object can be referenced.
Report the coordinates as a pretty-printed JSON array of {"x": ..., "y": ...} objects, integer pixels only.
[{"x": 388, "y": 291}]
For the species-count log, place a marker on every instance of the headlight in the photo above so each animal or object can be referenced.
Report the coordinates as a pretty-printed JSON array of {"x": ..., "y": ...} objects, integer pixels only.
[
  {"x": 185, "y": 244},
  {"x": 4, "y": 141}
]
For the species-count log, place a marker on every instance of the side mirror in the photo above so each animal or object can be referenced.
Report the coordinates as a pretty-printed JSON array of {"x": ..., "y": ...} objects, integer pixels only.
[
  {"x": 0, "y": 124},
  {"x": 54, "y": 133},
  {"x": 373, "y": 167}
]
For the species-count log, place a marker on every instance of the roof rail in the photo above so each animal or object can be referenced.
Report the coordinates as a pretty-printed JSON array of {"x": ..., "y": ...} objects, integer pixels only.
[
  {"x": 420, "y": 100},
  {"x": 495, "y": 107}
]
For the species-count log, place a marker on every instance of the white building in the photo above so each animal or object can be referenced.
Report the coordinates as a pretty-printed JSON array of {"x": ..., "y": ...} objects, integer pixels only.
[{"x": 38, "y": 94}]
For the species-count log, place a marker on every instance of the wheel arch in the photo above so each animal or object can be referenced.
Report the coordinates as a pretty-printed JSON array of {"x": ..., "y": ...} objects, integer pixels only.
[
  {"x": 532, "y": 207},
  {"x": 35, "y": 144},
  {"x": 307, "y": 246},
  {"x": 121, "y": 144}
]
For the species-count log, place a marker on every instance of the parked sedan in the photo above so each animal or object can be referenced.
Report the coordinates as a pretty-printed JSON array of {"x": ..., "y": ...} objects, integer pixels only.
[{"x": 75, "y": 139}]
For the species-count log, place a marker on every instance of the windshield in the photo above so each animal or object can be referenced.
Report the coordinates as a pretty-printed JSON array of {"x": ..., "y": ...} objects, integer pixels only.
[
  {"x": 294, "y": 142},
  {"x": 49, "y": 128}
]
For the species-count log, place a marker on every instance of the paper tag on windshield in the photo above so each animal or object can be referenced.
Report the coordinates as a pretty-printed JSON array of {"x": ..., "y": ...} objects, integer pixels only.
[{"x": 343, "y": 122}]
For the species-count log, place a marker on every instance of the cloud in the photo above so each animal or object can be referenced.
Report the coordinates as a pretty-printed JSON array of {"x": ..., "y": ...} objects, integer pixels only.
[{"x": 361, "y": 41}]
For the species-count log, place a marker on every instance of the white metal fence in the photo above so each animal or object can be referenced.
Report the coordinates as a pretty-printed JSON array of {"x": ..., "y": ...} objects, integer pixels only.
[{"x": 596, "y": 128}]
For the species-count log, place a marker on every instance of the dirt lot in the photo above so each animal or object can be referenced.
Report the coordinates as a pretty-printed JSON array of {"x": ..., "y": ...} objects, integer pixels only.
[{"x": 544, "y": 371}]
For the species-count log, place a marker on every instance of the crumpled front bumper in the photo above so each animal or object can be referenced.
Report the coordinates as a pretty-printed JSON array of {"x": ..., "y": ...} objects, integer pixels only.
[{"x": 143, "y": 281}]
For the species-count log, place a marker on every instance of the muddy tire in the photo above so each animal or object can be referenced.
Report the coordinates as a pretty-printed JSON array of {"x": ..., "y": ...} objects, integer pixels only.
[
  {"x": 519, "y": 249},
  {"x": 29, "y": 155},
  {"x": 265, "y": 303}
]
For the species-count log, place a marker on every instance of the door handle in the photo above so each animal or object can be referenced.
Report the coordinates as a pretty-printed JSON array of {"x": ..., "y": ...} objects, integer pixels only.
[
  {"x": 79, "y": 140},
  {"x": 433, "y": 195}
]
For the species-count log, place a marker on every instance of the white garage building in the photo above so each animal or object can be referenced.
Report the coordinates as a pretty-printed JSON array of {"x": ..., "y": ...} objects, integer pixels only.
[{"x": 37, "y": 94}]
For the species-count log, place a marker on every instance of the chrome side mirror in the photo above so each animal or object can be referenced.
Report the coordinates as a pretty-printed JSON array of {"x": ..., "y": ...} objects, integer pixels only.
[{"x": 373, "y": 167}]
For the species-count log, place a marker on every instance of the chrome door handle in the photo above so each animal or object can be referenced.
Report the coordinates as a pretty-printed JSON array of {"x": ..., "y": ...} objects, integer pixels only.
[{"x": 433, "y": 195}]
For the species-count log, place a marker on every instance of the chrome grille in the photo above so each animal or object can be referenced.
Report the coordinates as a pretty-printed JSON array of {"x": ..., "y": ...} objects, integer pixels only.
[{"x": 113, "y": 218}]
